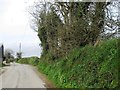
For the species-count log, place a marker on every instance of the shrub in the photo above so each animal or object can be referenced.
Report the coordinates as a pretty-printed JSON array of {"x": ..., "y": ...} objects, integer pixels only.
[{"x": 86, "y": 67}]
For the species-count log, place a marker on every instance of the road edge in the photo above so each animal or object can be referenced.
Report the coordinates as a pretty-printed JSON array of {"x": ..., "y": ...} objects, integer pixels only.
[{"x": 48, "y": 83}]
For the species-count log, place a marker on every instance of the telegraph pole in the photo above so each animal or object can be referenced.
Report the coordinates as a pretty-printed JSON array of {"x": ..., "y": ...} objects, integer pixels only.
[
  {"x": 20, "y": 48},
  {"x": 19, "y": 53}
]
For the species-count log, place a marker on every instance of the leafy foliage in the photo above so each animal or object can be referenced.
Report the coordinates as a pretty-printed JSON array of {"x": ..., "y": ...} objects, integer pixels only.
[
  {"x": 85, "y": 67},
  {"x": 63, "y": 26},
  {"x": 29, "y": 60}
]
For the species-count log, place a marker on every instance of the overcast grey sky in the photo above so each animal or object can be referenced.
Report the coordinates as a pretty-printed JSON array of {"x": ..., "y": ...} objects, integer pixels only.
[{"x": 15, "y": 27}]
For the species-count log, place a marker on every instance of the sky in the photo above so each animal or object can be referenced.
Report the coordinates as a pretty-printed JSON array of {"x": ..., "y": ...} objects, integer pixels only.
[{"x": 15, "y": 27}]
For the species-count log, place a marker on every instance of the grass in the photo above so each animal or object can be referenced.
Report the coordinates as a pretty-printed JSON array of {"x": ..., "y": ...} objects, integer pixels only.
[{"x": 86, "y": 67}]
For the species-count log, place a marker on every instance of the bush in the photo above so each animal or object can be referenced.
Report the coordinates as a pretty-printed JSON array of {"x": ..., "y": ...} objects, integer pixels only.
[
  {"x": 30, "y": 60},
  {"x": 87, "y": 67}
]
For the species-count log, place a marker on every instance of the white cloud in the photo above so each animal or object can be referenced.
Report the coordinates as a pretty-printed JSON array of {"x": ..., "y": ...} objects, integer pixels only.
[{"x": 15, "y": 27}]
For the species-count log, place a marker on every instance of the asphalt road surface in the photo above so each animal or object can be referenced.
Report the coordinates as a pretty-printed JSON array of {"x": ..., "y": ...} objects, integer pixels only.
[{"x": 20, "y": 76}]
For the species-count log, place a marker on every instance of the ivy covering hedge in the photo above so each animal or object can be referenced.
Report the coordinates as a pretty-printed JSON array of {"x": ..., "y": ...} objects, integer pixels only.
[{"x": 86, "y": 67}]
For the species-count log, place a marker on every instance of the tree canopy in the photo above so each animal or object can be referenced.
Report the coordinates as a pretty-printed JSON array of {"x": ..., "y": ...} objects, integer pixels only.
[{"x": 62, "y": 26}]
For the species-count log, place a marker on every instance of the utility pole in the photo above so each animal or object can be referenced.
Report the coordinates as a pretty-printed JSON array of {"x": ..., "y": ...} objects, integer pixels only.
[
  {"x": 19, "y": 53},
  {"x": 20, "y": 48}
]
